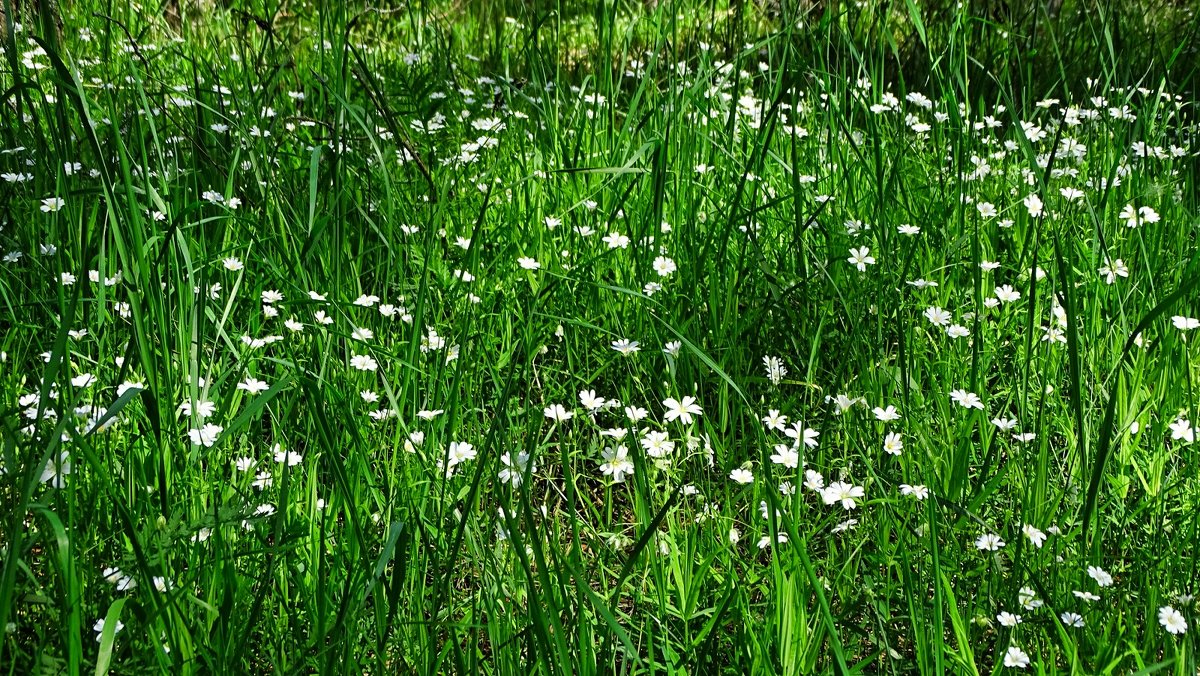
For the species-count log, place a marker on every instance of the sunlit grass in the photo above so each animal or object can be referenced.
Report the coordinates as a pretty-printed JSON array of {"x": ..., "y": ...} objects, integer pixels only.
[{"x": 654, "y": 339}]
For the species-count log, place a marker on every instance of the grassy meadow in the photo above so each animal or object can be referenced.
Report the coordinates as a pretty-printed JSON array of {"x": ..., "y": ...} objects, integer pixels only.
[{"x": 688, "y": 337}]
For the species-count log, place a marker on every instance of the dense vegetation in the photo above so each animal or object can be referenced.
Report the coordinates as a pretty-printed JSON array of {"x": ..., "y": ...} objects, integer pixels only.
[{"x": 599, "y": 338}]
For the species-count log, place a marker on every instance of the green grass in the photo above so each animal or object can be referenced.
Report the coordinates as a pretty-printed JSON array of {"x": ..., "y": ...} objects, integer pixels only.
[{"x": 314, "y": 230}]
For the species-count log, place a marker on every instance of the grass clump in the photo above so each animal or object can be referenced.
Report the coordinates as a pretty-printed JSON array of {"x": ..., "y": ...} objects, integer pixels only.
[{"x": 668, "y": 338}]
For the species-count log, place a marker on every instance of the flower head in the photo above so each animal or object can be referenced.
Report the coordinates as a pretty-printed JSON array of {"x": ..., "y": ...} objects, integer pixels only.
[
  {"x": 966, "y": 399},
  {"x": 1100, "y": 575},
  {"x": 557, "y": 413},
  {"x": 1016, "y": 658},
  {"x": 989, "y": 542},
  {"x": 1172, "y": 620},
  {"x": 893, "y": 444},
  {"x": 681, "y": 410},
  {"x": 860, "y": 258},
  {"x": 742, "y": 476},
  {"x": 844, "y": 493},
  {"x": 625, "y": 346},
  {"x": 514, "y": 469},
  {"x": 616, "y": 463}
]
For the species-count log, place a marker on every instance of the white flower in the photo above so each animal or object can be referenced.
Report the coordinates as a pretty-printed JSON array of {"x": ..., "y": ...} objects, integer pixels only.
[
  {"x": 590, "y": 401},
  {"x": 861, "y": 258},
  {"x": 765, "y": 541},
  {"x": 253, "y": 385},
  {"x": 290, "y": 458},
  {"x": 966, "y": 399},
  {"x": 886, "y": 414},
  {"x": 1005, "y": 424},
  {"x": 1185, "y": 323},
  {"x": 1015, "y": 657},
  {"x": 203, "y": 409},
  {"x": 232, "y": 264},
  {"x": 1072, "y": 619},
  {"x": 460, "y": 452},
  {"x": 528, "y": 263},
  {"x": 52, "y": 204},
  {"x": 842, "y": 492},
  {"x": 893, "y": 444},
  {"x": 514, "y": 470},
  {"x": 1182, "y": 430},
  {"x": 205, "y": 436},
  {"x": 1035, "y": 536},
  {"x": 919, "y": 492},
  {"x": 843, "y": 403},
  {"x": 664, "y": 266},
  {"x": 845, "y": 525},
  {"x": 774, "y": 420},
  {"x": 83, "y": 380},
  {"x": 1139, "y": 216},
  {"x": 616, "y": 463},
  {"x": 681, "y": 410},
  {"x": 1033, "y": 204},
  {"x": 626, "y": 346},
  {"x": 657, "y": 444},
  {"x": 937, "y": 316},
  {"x": 1071, "y": 194},
  {"x": 957, "y": 331},
  {"x": 364, "y": 362},
  {"x": 786, "y": 455},
  {"x": 802, "y": 435},
  {"x": 557, "y": 413},
  {"x": 1006, "y": 294},
  {"x": 1028, "y": 598},
  {"x": 616, "y": 240},
  {"x": 742, "y": 476},
  {"x": 1100, "y": 575},
  {"x": 99, "y": 627},
  {"x": 813, "y": 481},
  {"x": 775, "y": 369},
  {"x": 989, "y": 542},
  {"x": 1113, "y": 269},
  {"x": 1007, "y": 619},
  {"x": 55, "y": 471},
  {"x": 1172, "y": 620}
]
